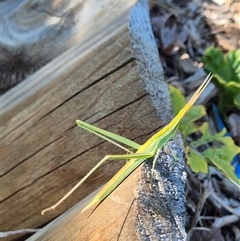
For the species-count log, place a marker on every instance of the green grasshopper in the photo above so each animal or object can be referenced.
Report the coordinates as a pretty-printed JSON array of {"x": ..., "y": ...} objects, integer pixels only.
[{"x": 150, "y": 148}]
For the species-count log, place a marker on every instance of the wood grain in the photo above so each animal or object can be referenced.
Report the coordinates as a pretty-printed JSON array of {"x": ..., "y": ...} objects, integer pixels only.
[
  {"x": 112, "y": 79},
  {"x": 37, "y": 32},
  {"x": 43, "y": 152},
  {"x": 112, "y": 220}
]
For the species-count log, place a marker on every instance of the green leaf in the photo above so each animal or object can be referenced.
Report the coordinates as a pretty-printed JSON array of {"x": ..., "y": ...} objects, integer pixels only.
[
  {"x": 217, "y": 158},
  {"x": 213, "y": 58},
  {"x": 233, "y": 60},
  {"x": 226, "y": 72},
  {"x": 206, "y": 136},
  {"x": 178, "y": 100},
  {"x": 221, "y": 154},
  {"x": 219, "y": 149},
  {"x": 196, "y": 161},
  {"x": 187, "y": 125},
  {"x": 229, "y": 94}
]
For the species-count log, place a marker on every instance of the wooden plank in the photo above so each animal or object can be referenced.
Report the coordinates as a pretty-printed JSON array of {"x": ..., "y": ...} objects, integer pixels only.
[
  {"x": 112, "y": 220},
  {"x": 36, "y": 33},
  {"x": 100, "y": 82},
  {"x": 126, "y": 215},
  {"x": 43, "y": 150}
]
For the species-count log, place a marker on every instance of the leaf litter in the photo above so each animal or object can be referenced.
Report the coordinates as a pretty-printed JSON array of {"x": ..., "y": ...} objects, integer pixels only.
[{"x": 183, "y": 30}]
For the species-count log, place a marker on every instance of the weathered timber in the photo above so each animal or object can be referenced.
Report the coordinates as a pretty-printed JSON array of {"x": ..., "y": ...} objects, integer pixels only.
[
  {"x": 44, "y": 153},
  {"x": 34, "y": 33},
  {"x": 112, "y": 220},
  {"x": 153, "y": 214}
]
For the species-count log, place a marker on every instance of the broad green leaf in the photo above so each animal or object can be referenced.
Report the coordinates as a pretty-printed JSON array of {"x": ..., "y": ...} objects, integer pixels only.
[
  {"x": 187, "y": 125},
  {"x": 177, "y": 99},
  {"x": 229, "y": 94},
  {"x": 219, "y": 160},
  {"x": 220, "y": 148},
  {"x": 228, "y": 68},
  {"x": 214, "y": 61},
  {"x": 196, "y": 161},
  {"x": 226, "y": 71},
  {"x": 221, "y": 154},
  {"x": 233, "y": 60}
]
